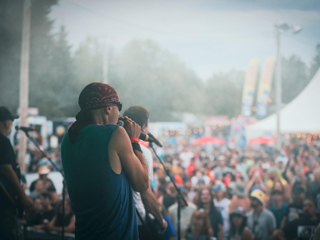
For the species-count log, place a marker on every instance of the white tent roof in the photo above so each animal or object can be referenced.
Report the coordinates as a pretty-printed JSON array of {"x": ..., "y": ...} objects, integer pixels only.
[{"x": 301, "y": 115}]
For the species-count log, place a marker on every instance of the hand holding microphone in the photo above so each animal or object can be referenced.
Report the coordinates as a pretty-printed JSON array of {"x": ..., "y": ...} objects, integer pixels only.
[
  {"x": 132, "y": 128},
  {"x": 143, "y": 136}
]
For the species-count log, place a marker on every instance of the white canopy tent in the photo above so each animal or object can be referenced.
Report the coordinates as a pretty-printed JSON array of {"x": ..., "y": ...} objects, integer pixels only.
[{"x": 301, "y": 115}]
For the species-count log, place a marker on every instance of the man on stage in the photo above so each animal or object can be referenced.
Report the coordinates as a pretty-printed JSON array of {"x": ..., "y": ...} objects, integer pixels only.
[
  {"x": 102, "y": 161},
  {"x": 11, "y": 191},
  {"x": 145, "y": 201}
]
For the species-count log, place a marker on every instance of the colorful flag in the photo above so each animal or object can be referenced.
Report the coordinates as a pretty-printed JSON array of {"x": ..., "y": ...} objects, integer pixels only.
[
  {"x": 249, "y": 87},
  {"x": 264, "y": 87}
]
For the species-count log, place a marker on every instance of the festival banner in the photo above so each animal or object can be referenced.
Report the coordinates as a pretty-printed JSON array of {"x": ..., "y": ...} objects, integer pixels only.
[
  {"x": 249, "y": 87},
  {"x": 264, "y": 87}
]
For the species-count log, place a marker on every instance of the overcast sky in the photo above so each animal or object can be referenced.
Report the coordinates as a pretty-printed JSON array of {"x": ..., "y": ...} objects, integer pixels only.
[{"x": 208, "y": 35}]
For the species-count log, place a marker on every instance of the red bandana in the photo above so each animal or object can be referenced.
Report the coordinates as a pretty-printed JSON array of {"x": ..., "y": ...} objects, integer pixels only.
[{"x": 97, "y": 95}]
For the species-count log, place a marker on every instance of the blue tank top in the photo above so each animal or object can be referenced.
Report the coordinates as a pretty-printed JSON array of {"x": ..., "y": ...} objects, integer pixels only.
[{"x": 101, "y": 200}]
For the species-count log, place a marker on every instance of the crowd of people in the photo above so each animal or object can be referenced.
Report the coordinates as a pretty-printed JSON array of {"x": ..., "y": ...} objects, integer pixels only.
[
  {"x": 244, "y": 193},
  {"x": 231, "y": 193}
]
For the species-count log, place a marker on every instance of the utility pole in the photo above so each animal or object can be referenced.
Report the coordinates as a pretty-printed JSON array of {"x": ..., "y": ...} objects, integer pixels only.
[
  {"x": 281, "y": 27},
  {"x": 278, "y": 89},
  {"x": 105, "y": 61},
  {"x": 24, "y": 81}
]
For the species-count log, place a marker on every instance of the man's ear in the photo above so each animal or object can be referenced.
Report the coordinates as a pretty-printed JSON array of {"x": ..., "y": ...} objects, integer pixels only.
[
  {"x": 107, "y": 110},
  {"x": 144, "y": 126},
  {"x": 7, "y": 124}
]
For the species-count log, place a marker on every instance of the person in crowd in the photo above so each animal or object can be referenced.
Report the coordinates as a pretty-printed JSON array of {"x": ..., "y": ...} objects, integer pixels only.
[
  {"x": 191, "y": 167},
  {"x": 183, "y": 173},
  {"x": 103, "y": 162},
  {"x": 38, "y": 189},
  {"x": 314, "y": 187},
  {"x": 256, "y": 169},
  {"x": 276, "y": 187},
  {"x": 199, "y": 176},
  {"x": 170, "y": 232},
  {"x": 265, "y": 162},
  {"x": 190, "y": 190},
  {"x": 200, "y": 228},
  {"x": 238, "y": 167},
  {"x": 294, "y": 210},
  {"x": 55, "y": 198},
  {"x": 221, "y": 169},
  {"x": 304, "y": 227},
  {"x": 222, "y": 204},
  {"x": 161, "y": 189},
  {"x": 45, "y": 214},
  {"x": 67, "y": 220},
  {"x": 170, "y": 196},
  {"x": 300, "y": 177},
  {"x": 145, "y": 201},
  {"x": 37, "y": 204},
  {"x": 10, "y": 188},
  {"x": 278, "y": 208},
  {"x": 186, "y": 213},
  {"x": 238, "y": 225},
  {"x": 43, "y": 172},
  {"x": 261, "y": 221},
  {"x": 206, "y": 203},
  {"x": 186, "y": 155},
  {"x": 256, "y": 182},
  {"x": 239, "y": 197}
]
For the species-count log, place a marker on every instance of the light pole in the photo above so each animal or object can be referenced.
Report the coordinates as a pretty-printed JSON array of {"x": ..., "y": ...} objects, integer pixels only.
[
  {"x": 281, "y": 28},
  {"x": 24, "y": 82}
]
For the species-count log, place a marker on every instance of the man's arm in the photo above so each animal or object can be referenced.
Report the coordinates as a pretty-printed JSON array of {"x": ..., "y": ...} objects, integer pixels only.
[
  {"x": 151, "y": 204},
  {"x": 132, "y": 162},
  {"x": 12, "y": 182}
]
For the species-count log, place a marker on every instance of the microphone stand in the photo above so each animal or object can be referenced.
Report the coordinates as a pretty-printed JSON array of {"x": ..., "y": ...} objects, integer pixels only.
[
  {"x": 179, "y": 196},
  {"x": 61, "y": 172}
]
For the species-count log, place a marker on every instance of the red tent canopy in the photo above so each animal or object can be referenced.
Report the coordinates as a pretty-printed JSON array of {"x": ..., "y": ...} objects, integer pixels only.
[
  {"x": 261, "y": 140},
  {"x": 208, "y": 140}
]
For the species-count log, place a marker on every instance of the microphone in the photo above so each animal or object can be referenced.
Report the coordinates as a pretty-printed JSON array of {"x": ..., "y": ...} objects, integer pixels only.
[
  {"x": 155, "y": 140},
  {"x": 25, "y": 129},
  {"x": 144, "y": 137}
]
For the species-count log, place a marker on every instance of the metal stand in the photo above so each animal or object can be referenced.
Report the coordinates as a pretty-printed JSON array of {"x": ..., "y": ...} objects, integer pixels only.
[
  {"x": 179, "y": 196},
  {"x": 59, "y": 170}
]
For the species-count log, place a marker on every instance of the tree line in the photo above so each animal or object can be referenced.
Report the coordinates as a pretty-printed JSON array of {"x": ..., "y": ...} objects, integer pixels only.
[{"x": 142, "y": 72}]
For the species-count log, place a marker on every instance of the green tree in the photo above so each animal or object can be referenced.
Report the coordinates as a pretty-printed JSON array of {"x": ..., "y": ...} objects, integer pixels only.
[
  {"x": 58, "y": 97},
  {"x": 88, "y": 62},
  {"x": 224, "y": 93},
  {"x": 144, "y": 74},
  {"x": 294, "y": 77},
  {"x": 10, "y": 50}
]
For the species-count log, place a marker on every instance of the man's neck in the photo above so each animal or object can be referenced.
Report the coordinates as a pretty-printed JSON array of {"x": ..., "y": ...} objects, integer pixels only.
[
  {"x": 258, "y": 209},
  {"x": 277, "y": 204},
  {"x": 206, "y": 207}
]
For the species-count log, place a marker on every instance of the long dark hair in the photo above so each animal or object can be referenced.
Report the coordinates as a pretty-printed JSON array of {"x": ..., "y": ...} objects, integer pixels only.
[
  {"x": 83, "y": 119},
  {"x": 200, "y": 203},
  {"x": 233, "y": 227}
]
